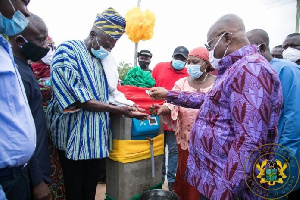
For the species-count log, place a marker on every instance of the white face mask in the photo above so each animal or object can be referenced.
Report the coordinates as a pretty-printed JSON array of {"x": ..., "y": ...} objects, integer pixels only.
[
  {"x": 291, "y": 54},
  {"x": 48, "y": 58},
  {"x": 215, "y": 61}
]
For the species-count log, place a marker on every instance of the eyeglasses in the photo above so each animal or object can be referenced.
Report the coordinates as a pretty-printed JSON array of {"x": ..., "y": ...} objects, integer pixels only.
[{"x": 221, "y": 34}]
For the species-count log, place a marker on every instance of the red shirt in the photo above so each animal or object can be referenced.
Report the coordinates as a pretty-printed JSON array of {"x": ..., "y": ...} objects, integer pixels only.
[{"x": 166, "y": 76}]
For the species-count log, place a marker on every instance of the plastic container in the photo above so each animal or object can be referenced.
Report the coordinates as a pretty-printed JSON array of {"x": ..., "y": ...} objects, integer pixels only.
[{"x": 140, "y": 130}]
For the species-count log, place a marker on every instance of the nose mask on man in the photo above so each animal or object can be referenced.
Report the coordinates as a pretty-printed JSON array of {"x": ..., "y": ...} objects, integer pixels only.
[
  {"x": 291, "y": 54},
  {"x": 144, "y": 64},
  {"x": 178, "y": 64},
  {"x": 101, "y": 53},
  {"x": 15, "y": 25},
  {"x": 215, "y": 61},
  {"x": 33, "y": 52}
]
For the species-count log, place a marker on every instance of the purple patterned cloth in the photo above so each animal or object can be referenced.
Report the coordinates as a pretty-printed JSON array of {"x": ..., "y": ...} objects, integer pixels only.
[{"x": 239, "y": 114}]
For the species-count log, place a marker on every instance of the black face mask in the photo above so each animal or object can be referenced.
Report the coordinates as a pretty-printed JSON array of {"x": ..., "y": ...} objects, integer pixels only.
[
  {"x": 144, "y": 64},
  {"x": 33, "y": 52}
]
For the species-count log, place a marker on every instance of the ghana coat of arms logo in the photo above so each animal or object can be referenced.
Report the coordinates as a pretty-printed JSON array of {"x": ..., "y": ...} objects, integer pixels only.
[{"x": 271, "y": 172}]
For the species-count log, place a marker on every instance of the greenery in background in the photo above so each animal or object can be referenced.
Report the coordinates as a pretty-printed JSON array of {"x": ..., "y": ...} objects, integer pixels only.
[
  {"x": 123, "y": 69},
  {"x": 139, "y": 78}
]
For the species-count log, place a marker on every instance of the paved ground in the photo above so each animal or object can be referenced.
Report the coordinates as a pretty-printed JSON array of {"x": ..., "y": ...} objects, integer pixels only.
[{"x": 101, "y": 189}]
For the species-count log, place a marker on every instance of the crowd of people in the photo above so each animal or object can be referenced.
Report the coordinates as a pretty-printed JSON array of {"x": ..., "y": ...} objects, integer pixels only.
[{"x": 223, "y": 100}]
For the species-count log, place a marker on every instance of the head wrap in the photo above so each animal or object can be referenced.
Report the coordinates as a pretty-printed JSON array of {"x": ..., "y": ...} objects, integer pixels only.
[
  {"x": 200, "y": 52},
  {"x": 111, "y": 22}
]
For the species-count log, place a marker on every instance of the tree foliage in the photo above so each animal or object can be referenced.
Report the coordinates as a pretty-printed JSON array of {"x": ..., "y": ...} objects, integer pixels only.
[{"x": 123, "y": 69}]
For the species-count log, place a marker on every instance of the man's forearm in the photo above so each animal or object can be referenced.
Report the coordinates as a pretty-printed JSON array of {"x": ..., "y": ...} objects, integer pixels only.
[
  {"x": 186, "y": 99},
  {"x": 97, "y": 106}
]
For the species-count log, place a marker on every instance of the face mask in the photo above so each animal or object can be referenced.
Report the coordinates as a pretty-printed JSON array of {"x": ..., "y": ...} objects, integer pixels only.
[
  {"x": 194, "y": 70},
  {"x": 48, "y": 58},
  {"x": 101, "y": 53},
  {"x": 144, "y": 64},
  {"x": 178, "y": 64},
  {"x": 13, "y": 26},
  {"x": 291, "y": 54},
  {"x": 215, "y": 61},
  {"x": 33, "y": 52}
]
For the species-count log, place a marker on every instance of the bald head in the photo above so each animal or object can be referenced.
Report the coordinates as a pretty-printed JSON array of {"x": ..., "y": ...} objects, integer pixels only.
[
  {"x": 258, "y": 36},
  {"x": 229, "y": 30},
  {"x": 35, "y": 26},
  {"x": 36, "y": 32},
  {"x": 227, "y": 23}
]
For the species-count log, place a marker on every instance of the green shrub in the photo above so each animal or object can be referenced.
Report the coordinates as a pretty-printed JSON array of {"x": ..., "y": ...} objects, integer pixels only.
[{"x": 123, "y": 69}]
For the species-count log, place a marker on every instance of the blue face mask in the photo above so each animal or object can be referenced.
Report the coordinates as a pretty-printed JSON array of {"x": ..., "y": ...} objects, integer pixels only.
[
  {"x": 101, "y": 53},
  {"x": 178, "y": 64},
  {"x": 13, "y": 26},
  {"x": 194, "y": 71}
]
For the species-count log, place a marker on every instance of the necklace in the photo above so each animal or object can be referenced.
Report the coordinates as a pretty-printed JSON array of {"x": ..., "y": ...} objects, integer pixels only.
[{"x": 201, "y": 81}]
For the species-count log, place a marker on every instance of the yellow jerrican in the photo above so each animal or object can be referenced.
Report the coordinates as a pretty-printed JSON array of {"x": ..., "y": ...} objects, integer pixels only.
[{"x": 139, "y": 25}]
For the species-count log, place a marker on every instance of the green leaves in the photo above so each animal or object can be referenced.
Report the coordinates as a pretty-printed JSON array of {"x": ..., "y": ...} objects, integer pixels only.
[{"x": 123, "y": 69}]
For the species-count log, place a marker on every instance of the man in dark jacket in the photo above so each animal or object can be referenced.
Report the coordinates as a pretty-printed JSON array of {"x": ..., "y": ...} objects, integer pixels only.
[{"x": 31, "y": 45}]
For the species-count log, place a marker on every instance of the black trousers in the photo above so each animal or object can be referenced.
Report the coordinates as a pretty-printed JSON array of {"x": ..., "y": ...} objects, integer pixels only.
[
  {"x": 15, "y": 183},
  {"x": 80, "y": 177},
  {"x": 102, "y": 174}
]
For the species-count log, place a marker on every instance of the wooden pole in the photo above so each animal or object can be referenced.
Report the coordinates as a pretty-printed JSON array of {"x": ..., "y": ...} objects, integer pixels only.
[
  {"x": 136, "y": 44},
  {"x": 297, "y": 16}
]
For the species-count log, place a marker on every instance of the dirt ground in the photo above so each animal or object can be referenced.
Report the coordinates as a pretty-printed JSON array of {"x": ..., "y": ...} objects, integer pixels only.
[{"x": 101, "y": 189}]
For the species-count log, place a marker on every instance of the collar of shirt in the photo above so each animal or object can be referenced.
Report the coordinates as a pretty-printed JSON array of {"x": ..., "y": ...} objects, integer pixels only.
[
  {"x": 230, "y": 59},
  {"x": 24, "y": 62}
]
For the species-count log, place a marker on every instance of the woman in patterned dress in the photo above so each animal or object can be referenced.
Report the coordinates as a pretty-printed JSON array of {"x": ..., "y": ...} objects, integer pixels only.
[{"x": 181, "y": 119}]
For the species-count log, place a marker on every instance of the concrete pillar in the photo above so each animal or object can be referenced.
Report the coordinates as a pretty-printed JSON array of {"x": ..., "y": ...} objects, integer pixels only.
[{"x": 124, "y": 181}]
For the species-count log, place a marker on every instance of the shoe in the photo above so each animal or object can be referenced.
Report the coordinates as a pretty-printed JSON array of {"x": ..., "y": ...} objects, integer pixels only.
[{"x": 170, "y": 186}]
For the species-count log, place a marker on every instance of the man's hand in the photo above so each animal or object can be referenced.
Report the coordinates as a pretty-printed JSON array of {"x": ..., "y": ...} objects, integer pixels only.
[
  {"x": 138, "y": 108},
  {"x": 41, "y": 192},
  {"x": 158, "y": 93},
  {"x": 133, "y": 112}
]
